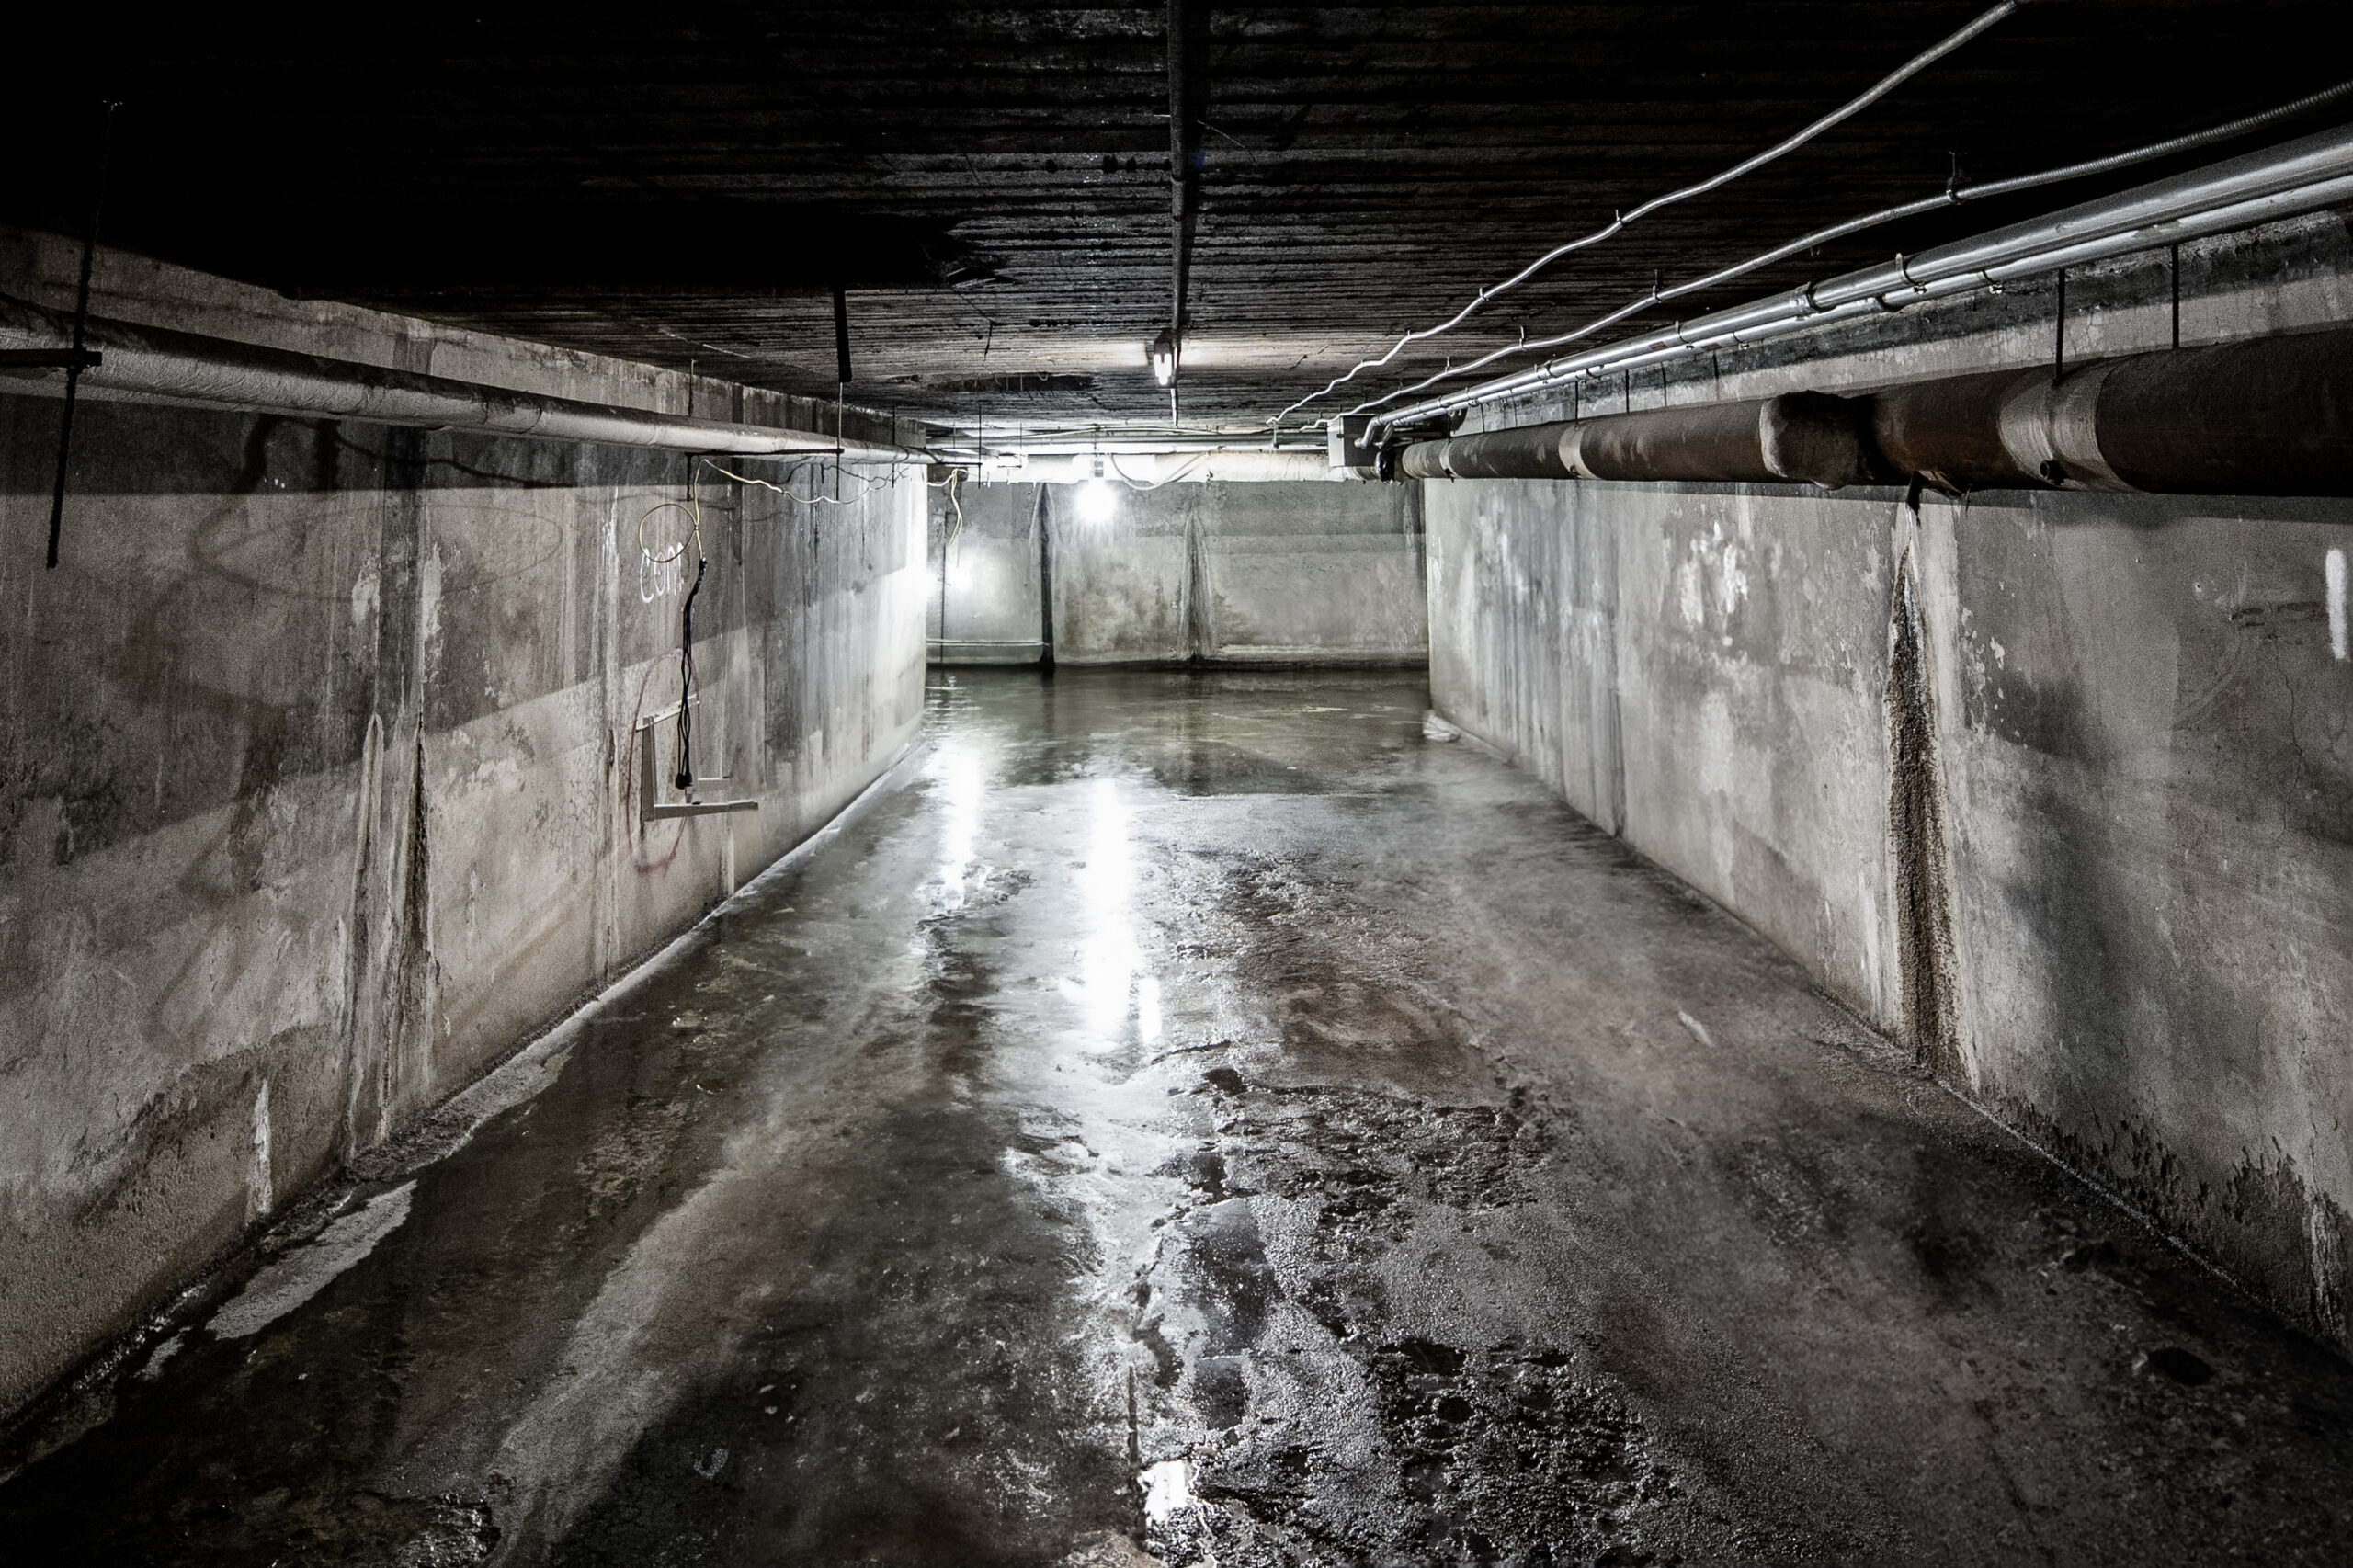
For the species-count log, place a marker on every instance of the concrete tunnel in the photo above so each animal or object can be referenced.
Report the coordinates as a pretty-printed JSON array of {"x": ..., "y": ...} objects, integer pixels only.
[{"x": 1288, "y": 786}]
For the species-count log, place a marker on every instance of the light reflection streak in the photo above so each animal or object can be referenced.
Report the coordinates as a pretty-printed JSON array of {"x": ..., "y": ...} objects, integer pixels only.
[
  {"x": 1112, "y": 979},
  {"x": 957, "y": 770}
]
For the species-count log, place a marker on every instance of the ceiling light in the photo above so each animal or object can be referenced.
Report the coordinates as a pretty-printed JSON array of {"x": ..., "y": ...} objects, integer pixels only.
[
  {"x": 1097, "y": 503},
  {"x": 1161, "y": 353}
]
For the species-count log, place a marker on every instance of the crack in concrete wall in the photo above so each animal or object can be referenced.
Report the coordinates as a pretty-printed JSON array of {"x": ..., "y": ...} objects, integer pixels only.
[{"x": 1917, "y": 842}]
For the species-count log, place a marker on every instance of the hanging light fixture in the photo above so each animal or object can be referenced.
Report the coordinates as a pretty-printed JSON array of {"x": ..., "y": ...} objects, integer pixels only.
[
  {"x": 1097, "y": 503},
  {"x": 1161, "y": 352}
]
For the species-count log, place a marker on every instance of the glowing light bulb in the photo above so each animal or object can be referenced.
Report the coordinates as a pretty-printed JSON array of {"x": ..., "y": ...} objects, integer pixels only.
[
  {"x": 1161, "y": 353},
  {"x": 1097, "y": 503}
]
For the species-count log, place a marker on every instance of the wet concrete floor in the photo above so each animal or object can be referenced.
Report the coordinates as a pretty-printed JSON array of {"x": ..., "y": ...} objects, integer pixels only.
[{"x": 1200, "y": 1119}]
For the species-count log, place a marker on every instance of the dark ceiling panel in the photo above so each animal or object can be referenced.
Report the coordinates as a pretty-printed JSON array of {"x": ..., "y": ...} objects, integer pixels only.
[{"x": 991, "y": 183}]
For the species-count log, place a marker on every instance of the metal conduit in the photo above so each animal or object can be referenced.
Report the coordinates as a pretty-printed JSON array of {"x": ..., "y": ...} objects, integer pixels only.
[
  {"x": 2297, "y": 176},
  {"x": 2273, "y": 416},
  {"x": 1150, "y": 468},
  {"x": 1619, "y": 222},
  {"x": 157, "y": 365},
  {"x": 1954, "y": 196},
  {"x": 962, "y": 448}
]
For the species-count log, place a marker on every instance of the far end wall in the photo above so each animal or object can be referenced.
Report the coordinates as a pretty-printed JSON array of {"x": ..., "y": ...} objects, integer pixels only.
[{"x": 1277, "y": 573}]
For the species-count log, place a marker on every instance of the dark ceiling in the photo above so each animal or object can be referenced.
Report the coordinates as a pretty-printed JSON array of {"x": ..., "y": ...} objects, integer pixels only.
[{"x": 989, "y": 184}]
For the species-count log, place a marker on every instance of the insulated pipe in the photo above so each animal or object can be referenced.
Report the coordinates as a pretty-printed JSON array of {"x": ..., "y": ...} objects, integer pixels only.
[
  {"x": 1805, "y": 437},
  {"x": 2298, "y": 177},
  {"x": 2272, "y": 417},
  {"x": 156, "y": 365}
]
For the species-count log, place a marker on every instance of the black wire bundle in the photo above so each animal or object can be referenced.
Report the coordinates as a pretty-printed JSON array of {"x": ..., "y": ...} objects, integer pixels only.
[{"x": 687, "y": 675}]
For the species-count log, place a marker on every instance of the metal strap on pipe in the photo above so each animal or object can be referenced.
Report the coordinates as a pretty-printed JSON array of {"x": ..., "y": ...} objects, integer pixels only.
[
  {"x": 157, "y": 365},
  {"x": 2298, "y": 177}
]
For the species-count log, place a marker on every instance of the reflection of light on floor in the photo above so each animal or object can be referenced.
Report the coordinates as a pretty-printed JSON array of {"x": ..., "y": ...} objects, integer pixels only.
[
  {"x": 1148, "y": 1009},
  {"x": 957, "y": 770},
  {"x": 1168, "y": 1486},
  {"x": 1111, "y": 963}
]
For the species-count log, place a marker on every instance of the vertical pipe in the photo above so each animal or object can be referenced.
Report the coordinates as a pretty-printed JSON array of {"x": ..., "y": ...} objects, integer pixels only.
[
  {"x": 841, "y": 335},
  {"x": 1177, "y": 171},
  {"x": 81, "y": 330},
  {"x": 1045, "y": 520},
  {"x": 2177, "y": 294},
  {"x": 2059, "y": 330}
]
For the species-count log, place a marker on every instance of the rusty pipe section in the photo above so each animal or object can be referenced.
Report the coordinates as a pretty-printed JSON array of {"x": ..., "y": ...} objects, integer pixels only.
[
  {"x": 1798, "y": 437},
  {"x": 2271, "y": 416},
  {"x": 156, "y": 365}
]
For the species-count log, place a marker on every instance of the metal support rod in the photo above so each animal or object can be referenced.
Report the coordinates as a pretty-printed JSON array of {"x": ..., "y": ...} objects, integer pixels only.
[
  {"x": 77, "y": 356},
  {"x": 2176, "y": 270},
  {"x": 1178, "y": 173},
  {"x": 1180, "y": 201},
  {"x": 2059, "y": 330},
  {"x": 841, "y": 337}
]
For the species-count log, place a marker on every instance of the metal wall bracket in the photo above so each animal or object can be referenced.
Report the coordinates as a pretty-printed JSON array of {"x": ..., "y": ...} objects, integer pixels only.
[
  {"x": 649, "y": 782},
  {"x": 79, "y": 358}
]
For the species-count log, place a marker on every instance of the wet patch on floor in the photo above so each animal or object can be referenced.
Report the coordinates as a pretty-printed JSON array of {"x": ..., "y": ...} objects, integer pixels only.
[
  {"x": 1363, "y": 1160},
  {"x": 1197, "y": 1120},
  {"x": 1283, "y": 1306},
  {"x": 1326, "y": 1441},
  {"x": 1494, "y": 1455}
]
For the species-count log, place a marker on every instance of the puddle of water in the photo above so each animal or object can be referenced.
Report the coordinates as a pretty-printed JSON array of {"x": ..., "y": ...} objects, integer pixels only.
[
  {"x": 1167, "y": 1487},
  {"x": 311, "y": 1268}
]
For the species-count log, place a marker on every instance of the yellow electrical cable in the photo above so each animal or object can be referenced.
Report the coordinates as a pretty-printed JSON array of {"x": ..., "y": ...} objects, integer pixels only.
[
  {"x": 693, "y": 528},
  {"x": 865, "y": 484}
]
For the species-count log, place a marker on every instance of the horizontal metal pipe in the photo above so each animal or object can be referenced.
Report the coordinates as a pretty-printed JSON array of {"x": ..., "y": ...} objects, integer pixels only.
[
  {"x": 1532, "y": 452},
  {"x": 157, "y": 365},
  {"x": 1810, "y": 437},
  {"x": 2271, "y": 416},
  {"x": 962, "y": 446},
  {"x": 1620, "y": 221},
  {"x": 1150, "y": 470},
  {"x": 2297, "y": 176},
  {"x": 1952, "y": 196}
]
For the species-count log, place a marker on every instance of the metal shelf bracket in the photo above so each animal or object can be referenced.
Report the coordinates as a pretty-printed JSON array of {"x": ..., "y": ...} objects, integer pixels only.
[{"x": 650, "y": 809}]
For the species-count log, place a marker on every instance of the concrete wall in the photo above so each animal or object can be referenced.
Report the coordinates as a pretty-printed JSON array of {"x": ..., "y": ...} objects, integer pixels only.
[
  {"x": 1280, "y": 572},
  {"x": 315, "y": 791},
  {"x": 2060, "y": 785}
]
